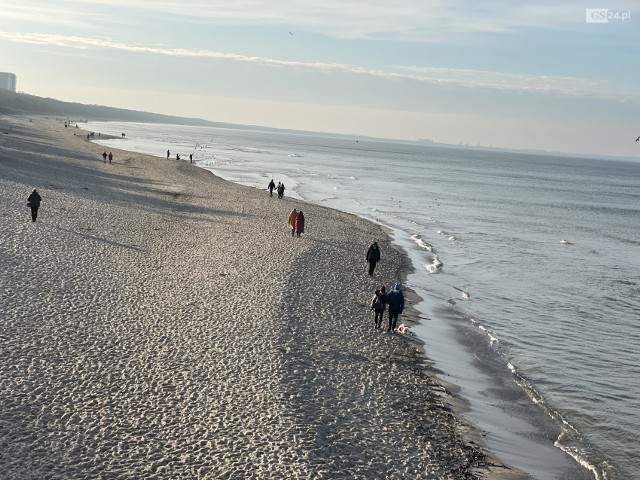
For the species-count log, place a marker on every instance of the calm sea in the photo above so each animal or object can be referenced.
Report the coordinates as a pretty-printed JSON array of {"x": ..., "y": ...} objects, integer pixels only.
[{"x": 529, "y": 267}]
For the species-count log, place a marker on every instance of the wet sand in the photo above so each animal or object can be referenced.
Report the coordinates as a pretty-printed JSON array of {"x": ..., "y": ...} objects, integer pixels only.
[{"x": 159, "y": 322}]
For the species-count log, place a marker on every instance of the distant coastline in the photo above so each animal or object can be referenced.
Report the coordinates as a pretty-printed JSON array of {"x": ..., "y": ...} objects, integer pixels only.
[
  {"x": 522, "y": 151},
  {"x": 25, "y": 104}
]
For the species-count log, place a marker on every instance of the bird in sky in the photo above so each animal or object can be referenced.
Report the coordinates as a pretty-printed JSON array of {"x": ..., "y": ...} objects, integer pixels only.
[{"x": 638, "y": 139}]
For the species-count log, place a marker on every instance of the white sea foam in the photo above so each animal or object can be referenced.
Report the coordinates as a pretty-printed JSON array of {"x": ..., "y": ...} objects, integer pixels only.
[
  {"x": 435, "y": 266},
  {"x": 493, "y": 340},
  {"x": 421, "y": 243},
  {"x": 566, "y": 438},
  {"x": 465, "y": 294}
]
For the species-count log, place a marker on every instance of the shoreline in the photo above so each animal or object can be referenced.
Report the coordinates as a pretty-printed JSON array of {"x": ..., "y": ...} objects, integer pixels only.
[
  {"x": 302, "y": 350},
  {"x": 503, "y": 432}
]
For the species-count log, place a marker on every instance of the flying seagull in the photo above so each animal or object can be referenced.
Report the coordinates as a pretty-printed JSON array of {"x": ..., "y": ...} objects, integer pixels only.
[{"x": 638, "y": 139}]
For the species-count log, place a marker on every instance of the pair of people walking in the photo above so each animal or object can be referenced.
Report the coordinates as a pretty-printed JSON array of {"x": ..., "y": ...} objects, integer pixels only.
[
  {"x": 395, "y": 301},
  {"x": 104, "y": 157},
  {"x": 279, "y": 189},
  {"x": 296, "y": 222}
]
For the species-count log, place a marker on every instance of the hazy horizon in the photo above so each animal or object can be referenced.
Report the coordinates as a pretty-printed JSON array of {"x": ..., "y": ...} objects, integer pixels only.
[{"x": 536, "y": 77}]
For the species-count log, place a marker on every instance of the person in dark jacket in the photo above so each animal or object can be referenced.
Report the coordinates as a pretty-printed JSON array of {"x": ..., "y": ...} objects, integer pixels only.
[
  {"x": 33, "y": 201},
  {"x": 378, "y": 304},
  {"x": 395, "y": 300},
  {"x": 271, "y": 186},
  {"x": 373, "y": 257}
]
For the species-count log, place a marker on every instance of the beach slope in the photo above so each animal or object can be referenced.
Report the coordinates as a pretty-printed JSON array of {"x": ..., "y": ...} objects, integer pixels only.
[{"x": 159, "y": 322}]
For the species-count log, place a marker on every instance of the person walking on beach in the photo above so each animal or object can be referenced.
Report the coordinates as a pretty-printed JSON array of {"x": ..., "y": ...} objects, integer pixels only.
[
  {"x": 280, "y": 190},
  {"x": 191, "y": 158},
  {"x": 271, "y": 186},
  {"x": 395, "y": 300},
  {"x": 373, "y": 257},
  {"x": 33, "y": 201},
  {"x": 177, "y": 156},
  {"x": 292, "y": 221},
  {"x": 104, "y": 157},
  {"x": 378, "y": 304},
  {"x": 168, "y": 154},
  {"x": 299, "y": 223},
  {"x": 110, "y": 157}
]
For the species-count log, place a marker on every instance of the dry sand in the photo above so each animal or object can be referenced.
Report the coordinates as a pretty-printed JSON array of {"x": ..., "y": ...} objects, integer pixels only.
[{"x": 159, "y": 322}]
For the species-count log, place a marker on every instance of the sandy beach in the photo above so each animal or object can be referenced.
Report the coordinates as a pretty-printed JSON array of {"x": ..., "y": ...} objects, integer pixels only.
[{"x": 159, "y": 322}]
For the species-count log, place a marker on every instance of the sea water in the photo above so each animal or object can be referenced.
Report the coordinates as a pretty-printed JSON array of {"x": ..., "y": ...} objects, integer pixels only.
[{"x": 528, "y": 266}]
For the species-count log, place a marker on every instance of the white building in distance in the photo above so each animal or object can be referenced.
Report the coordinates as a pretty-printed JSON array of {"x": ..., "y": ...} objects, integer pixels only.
[{"x": 8, "y": 81}]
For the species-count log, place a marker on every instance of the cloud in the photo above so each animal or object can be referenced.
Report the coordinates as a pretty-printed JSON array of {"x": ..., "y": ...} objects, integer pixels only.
[
  {"x": 416, "y": 20},
  {"x": 47, "y": 13},
  {"x": 443, "y": 77},
  {"x": 511, "y": 81}
]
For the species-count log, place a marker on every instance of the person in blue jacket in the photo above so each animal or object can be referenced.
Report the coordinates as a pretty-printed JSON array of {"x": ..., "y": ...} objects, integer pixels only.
[{"x": 395, "y": 301}]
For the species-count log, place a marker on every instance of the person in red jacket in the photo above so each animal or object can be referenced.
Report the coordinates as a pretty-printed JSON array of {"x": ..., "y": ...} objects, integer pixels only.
[{"x": 299, "y": 223}]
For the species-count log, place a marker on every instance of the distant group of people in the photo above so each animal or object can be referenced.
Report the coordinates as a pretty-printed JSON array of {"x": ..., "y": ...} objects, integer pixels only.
[
  {"x": 178, "y": 156},
  {"x": 279, "y": 189},
  {"x": 296, "y": 222},
  {"x": 394, "y": 300},
  {"x": 105, "y": 156}
]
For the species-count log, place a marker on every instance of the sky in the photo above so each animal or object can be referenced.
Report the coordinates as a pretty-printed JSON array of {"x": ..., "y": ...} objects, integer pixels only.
[{"x": 542, "y": 74}]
